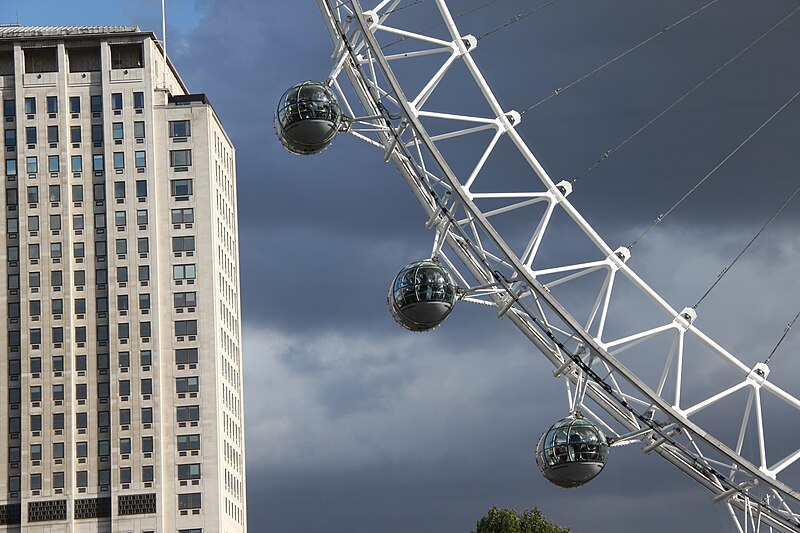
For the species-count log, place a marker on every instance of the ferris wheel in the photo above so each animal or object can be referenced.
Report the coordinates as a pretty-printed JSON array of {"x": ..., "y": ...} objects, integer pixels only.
[{"x": 496, "y": 229}]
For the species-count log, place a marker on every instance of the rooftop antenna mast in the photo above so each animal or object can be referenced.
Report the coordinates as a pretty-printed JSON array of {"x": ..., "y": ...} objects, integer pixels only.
[{"x": 164, "y": 41}]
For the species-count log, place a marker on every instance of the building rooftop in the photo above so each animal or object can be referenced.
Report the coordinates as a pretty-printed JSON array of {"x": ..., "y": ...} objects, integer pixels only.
[{"x": 16, "y": 31}]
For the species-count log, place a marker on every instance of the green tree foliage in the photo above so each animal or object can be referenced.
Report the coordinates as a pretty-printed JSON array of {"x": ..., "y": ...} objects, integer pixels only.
[{"x": 510, "y": 521}]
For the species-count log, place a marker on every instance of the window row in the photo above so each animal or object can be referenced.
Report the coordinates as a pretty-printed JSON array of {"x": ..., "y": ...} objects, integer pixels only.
[{"x": 95, "y": 104}]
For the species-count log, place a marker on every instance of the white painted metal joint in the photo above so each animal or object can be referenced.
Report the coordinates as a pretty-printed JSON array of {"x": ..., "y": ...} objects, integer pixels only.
[
  {"x": 620, "y": 255},
  {"x": 685, "y": 318},
  {"x": 467, "y": 44},
  {"x": 372, "y": 19},
  {"x": 565, "y": 188},
  {"x": 758, "y": 375}
]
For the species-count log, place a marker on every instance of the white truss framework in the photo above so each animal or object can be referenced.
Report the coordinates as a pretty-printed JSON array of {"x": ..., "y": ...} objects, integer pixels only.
[{"x": 630, "y": 408}]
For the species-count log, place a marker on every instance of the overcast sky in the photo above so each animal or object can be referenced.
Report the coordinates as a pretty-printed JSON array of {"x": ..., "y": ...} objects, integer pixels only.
[{"x": 354, "y": 425}]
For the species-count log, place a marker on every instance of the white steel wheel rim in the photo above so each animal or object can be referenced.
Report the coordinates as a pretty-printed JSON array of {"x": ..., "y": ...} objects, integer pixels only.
[{"x": 508, "y": 281}]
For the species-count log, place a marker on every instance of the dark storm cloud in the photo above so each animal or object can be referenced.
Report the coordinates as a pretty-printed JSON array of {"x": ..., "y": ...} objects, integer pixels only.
[{"x": 354, "y": 425}]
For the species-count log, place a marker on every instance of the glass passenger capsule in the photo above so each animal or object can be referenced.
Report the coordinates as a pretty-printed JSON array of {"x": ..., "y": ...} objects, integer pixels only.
[
  {"x": 422, "y": 295},
  {"x": 308, "y": 117},
  {"x": 572, "y": 452}
]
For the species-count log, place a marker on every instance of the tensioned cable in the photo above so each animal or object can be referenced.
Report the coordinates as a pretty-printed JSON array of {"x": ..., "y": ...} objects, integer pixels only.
[
  {"x": 662, "y": 216},
  {"x": 785, "y": 332},
  {"x": 727, "y": 269},
  {"x": 608, "y": 153},
  {"x": 560, "y": 90},
  {"x": 400, "y": 8},
  {"x": 517, "y": 18},
  {"x": 462, "y": 14}
]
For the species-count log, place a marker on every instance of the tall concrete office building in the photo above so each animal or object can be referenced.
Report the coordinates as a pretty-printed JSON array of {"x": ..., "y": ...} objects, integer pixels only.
[{"x": 122, "y": 401}]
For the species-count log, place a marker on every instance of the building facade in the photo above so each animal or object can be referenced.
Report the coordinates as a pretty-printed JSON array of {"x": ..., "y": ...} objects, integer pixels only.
[{"x": 120, "y": 291}]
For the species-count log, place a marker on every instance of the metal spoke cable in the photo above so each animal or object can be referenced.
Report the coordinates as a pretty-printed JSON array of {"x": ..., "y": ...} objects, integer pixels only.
[
  {"x": 400, "y": 8},
  {"x": 517, "y": 18},
  {"x": 756, "y": 236},
  {"x": 434, "y": 26},
  {"x": 560, "y": 90},
  {"x": 608, "y": 153},
  {"x": 785, "y": 332},
  {"x": 664, "y": 215}
]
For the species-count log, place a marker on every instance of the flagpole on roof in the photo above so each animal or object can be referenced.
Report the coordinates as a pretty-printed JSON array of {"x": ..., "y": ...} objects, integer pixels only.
[{"x": 164, "y": 39}]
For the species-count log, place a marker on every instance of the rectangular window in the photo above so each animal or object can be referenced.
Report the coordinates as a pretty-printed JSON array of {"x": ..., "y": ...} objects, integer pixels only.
[
  {"x": 146, "y": 357},
  {"x": 36, "y": 452},
  {"x": 119, "y": 219},
  {"x": 11, "y": 167},
  {"x": 125, "y": 474},
  {"x": 97, "y": 103},
  {"x": 82, "y": 449},
  {"x": 35, "y": 279},
  {"x": 124, "y": 384},
  {"x": 55, "y": 249},
  {"x": 180, "y": 272},
  {"x": 77, "y": 195},
  {"x": 143, "y": 245},
  {"x": 55, "y": 222},
  {"x": 30, "y": 106},
  {"x": 147, "y": 473},
  {"x": 58, "y": 422},
  {"x": 33, "y": 194},
  {"x": 116, "y": 101},
  {"x": 100, "y": 249},
  {"x": 124, "y": 362},
  {"x": 53, "y": 164},
  {"x": 58, "y": 336},
  {"x": 183, "y": 216},
  {"x": 36, "y": 365},
  {"x": 79, "y": 276},
  {"x": 82, "y": 478},
  {"x": 30, "y": 135},
  {"x": 125, "y": 446},
  {"x": 32, "y": 164},
  {"x": 147, "y": 444},
  {"x": 52, "y": 134},
  {"x": 99, "y": 191},
  {"x": 77, "y": 166},
  {"x": 125, "y": 417},
  {"x": 74, "y": 104},
  {"x": 97, "y": 133},
  {"x": 123, "y": 330},
  {"x": 121, "y": 247},
  {"x": 11, "y": 137},
  {"x": 147, "y": 386},
  {"x": 190, "y": 501},
  {"x": 141, "y": 158},
  {"x": 190, "y": 471},
  {"x": 141, "y": 188},
  {"x": 185, "y": 299},
  {"x": 119, "y": 160},
  {"x": 122, "y": 304},
  {"x": 55, "y": 193},
  {"x": 33, "y": 253},
  {"x": 36, "y": 393},
  {"x": 97, "y": 163},
  {"x": 35, "y": 336},
  {"x": 52, "y": 104},
  {"x": 58, "y": 480},
  {"x": 147, "y": 415},
  {"x": 141, "y": 217},
  {"x": 144, "y": 272},
  {"x": 122, "y": 274},
  {"x": 187, "y": 384},
  {"x": 36, "y": 482},
  {"x": 138, "y": 100},
  {"x": 180, "y": 128},
  {"x": 118, "y": 131},
  {"x": 58, "y": 450},
  {"x": 119, "y": 189},
  {"x": 144, "y": 301},
  {"x": 58, "y": 363},
  {"x": 104, "y": 476},
  {"x": 180, "y": 158},
  {"x": 9, "y": 108},
  {"x": 188, "y": 413},
  {"x": 183, "y": 244},
  {"x": 75, "y": 134},
  {"x": 185, "y": 327},
  {"x": 58, "y": 392},
  {"x": 188, "y": 442},
  {"x": 138, "y": 129},
  {"x": 80, "y": 309},
  {"x": 81, "y": 390}
]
